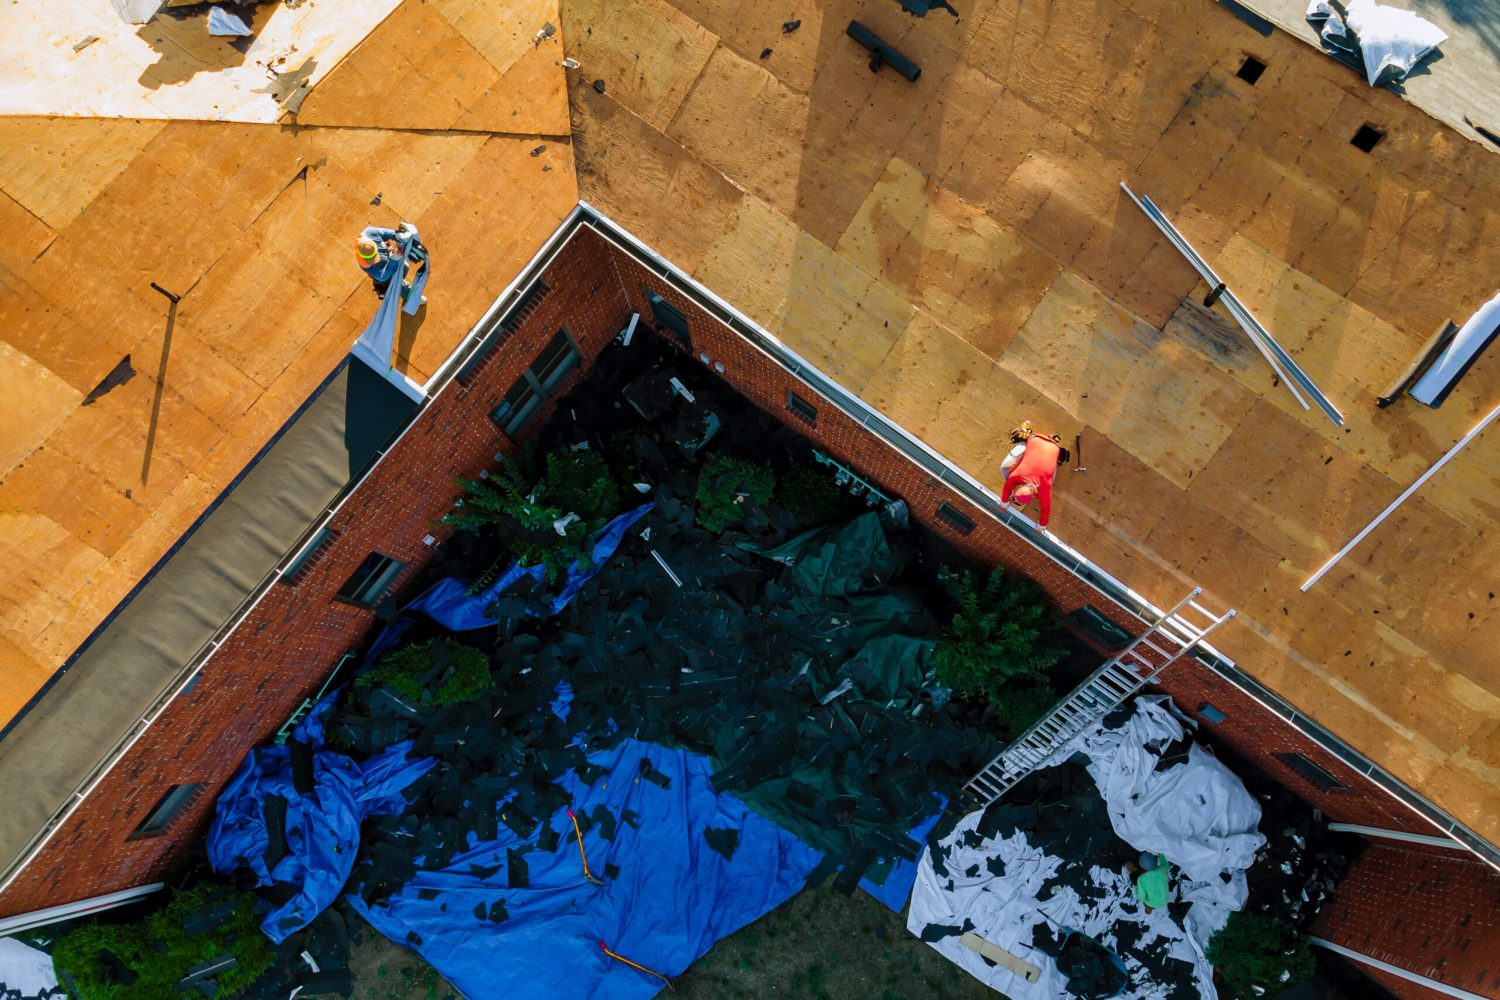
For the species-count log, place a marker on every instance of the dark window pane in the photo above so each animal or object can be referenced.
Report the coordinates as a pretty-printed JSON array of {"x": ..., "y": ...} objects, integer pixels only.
[
  {"x": 555, "y": 360},
  {"x": 954, "y": 519},
  {"x": 516, "y": 406},
  {"x": 804, "y": 410},
  {"x": 171, "y": 805},
  {"x": 370, "y": 581},
  {"x": 668, "y": 315}
]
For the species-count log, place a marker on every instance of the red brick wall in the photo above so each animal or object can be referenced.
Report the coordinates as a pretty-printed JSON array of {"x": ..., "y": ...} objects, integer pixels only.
[
  {"x": 284, "y": 649},
  {"x": 1435, "y": 914},
  {"x": 1258, "y": 736}
]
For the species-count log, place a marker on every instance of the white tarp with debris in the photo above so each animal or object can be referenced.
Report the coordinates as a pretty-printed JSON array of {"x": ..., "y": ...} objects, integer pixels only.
[
  {"x": 1390, "y": 38},
  {"x": 26, "y": 972},
  {"x": 1196, "y": 813}
]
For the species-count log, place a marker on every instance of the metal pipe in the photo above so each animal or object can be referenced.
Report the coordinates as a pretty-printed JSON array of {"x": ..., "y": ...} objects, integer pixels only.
[
  {"x": 1273, "y": 352},
  {"x": 1401, "y": 835},
  {"x": 1341, "y": 553},
  {"x": 68, "y": 911}
]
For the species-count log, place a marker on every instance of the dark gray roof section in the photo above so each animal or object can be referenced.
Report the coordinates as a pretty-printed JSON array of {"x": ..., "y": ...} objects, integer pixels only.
[
  {"x": 1461, "y": 80},
  {"x": 146, "y": 646}
]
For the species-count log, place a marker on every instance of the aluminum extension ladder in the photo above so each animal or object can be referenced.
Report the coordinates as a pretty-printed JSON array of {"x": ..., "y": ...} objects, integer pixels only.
[{"x": 1170, "y": 638}]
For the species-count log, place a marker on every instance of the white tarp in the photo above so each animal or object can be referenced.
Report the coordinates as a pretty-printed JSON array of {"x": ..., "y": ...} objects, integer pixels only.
[
  {"x": 1462, "y": 351},
  {"x": 26, "y": 972},
  {"x": 1389, "y": 38},
  {"x": 1197, "y": 813}
]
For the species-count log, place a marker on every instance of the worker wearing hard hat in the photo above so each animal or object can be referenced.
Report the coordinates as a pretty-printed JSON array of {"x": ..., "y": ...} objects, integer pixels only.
[{"x": 382, "y": 255}]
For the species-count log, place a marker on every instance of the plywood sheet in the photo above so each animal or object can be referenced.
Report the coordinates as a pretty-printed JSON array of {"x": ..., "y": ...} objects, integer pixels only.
[
  {"x": 418, "y": 70},
  {"x": 751, "y": 26},
  {"x": 55, "y": 167},
  {"x": 34, "y": 401},
  {"x": 647, "y": 52},
  {"x": 20, "y": 677},
  {"x": 1076, "y": 341},
  {"x": 27, "y": 237},
  {"x": 629, "y": 170},
  {"x": 746, "y": 123},
  {"x": 838, "y": 317},
  {"x": 982, "y": 279}
]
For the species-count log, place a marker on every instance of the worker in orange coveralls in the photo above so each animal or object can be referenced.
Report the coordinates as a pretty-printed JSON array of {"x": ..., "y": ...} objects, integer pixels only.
[{"x": 1029, "y": 469}]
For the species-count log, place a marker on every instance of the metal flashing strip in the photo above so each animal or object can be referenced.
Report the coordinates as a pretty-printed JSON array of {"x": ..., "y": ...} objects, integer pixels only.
[
  {"x": 1397, "y": 971},
  {"x": 1281, "y": 362},
  {"x": 1401, "y": 835},
  {"x": 71, "y": 911}
]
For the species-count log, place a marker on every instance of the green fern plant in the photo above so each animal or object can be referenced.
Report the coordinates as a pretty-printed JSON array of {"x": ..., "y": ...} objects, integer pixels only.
[
  {"x": 527, "y": 508},
  {"x": 1254, "y": 949},
  {"x": 997, "y": 645},
  {"x": 409, "y": 671},
  {"x": 727, "y": 487},
  {"x": 159, "y": 951}
]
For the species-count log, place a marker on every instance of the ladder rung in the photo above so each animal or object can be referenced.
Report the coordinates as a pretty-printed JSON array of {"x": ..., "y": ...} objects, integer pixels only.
[
  {"x": 1155, "y": 648},
  {"x": 1202, "y": 610}
]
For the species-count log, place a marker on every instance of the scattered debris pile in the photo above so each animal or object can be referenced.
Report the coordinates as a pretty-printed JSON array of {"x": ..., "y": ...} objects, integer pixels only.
[
  {"x": 1386, "y": 43},
  {"x": 1044, "y": 873},
  {"x": 620, "y": 733}
]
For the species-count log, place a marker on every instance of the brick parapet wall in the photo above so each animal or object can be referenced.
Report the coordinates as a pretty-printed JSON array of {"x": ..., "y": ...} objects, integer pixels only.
[{"x": 1434, "y": 914}]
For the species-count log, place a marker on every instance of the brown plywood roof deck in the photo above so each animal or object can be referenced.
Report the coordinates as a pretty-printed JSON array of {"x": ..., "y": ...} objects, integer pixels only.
[{"x": 957, "y": 251}]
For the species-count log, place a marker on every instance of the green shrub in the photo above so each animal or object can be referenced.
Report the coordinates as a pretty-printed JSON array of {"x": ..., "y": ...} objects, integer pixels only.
[
  {"x": 526, "y": 508},
  {"x": 160, "y": 952},
  {"x": 997, "y": 646},
  {"x": 726, "y": 488},
  {"x": 1019, "y": 705},
  {"x": 462, "y": 672},
  {"x": 814, "y": 498},
  {"x": 1255, "y": 949}
]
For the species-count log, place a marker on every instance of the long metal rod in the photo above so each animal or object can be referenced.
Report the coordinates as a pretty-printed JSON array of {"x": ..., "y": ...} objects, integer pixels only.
[
  {"x": 1283, "y": 363},
  {"x": 68, "y": 911},
  {"x": 1341, "y": 553},
  {"x": 1397, "y": 971},
  {"x": 1401, "y": 835}
]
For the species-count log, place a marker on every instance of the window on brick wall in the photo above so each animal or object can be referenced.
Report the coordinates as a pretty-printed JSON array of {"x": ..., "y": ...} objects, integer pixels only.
[
  {"x": 668, "y": 316},
  {"x": 802, "y": 409},
  {"x": 370, "y": 582},
  {"x": 556, "y": 360},
  {"x": 315, "y": 547},
  {"x": 953, "y": 519},
  {"x": 504, "y": 329},
  {"x": 1310, "y": 772},
  {"x": 174, "y": 803}
]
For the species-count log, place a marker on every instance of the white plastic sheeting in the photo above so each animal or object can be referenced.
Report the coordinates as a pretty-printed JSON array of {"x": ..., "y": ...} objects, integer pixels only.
[
  {"x": 1389, "y": 38},
  {"x": 1197, "y": 813},
  {"x": 26, "y": 972},
  {"x": 1462, "y": 351}
]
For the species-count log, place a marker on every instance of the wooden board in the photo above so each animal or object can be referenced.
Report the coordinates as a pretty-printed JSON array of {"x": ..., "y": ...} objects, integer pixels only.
[
  {"x": 1000, "y": 956},
  {"x": 647, "y": 52}
]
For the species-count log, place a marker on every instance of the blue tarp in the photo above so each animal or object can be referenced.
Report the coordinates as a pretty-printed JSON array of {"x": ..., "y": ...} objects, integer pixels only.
[
  {"x": 896, "y": 889},
  {"x": 449, "y": 603},
  {"x": 672, "y": 897},
  {"x": 322, "y": 828}
]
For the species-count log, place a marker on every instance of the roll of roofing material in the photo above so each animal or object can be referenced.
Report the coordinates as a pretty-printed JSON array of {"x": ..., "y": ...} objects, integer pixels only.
[{"x": 1462, "y": 351}]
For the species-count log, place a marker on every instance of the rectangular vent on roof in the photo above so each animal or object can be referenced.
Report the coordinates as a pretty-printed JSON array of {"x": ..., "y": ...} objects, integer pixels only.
[
  {"x": 802, "y": 409},
  {"x": 1250, "y": 70},
  {"x": 502, "y": 331},
  {"x": 953, "y": 519},
  {"x": 1366, "y": 138},
  {"x": 1310, "y": 772}
]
